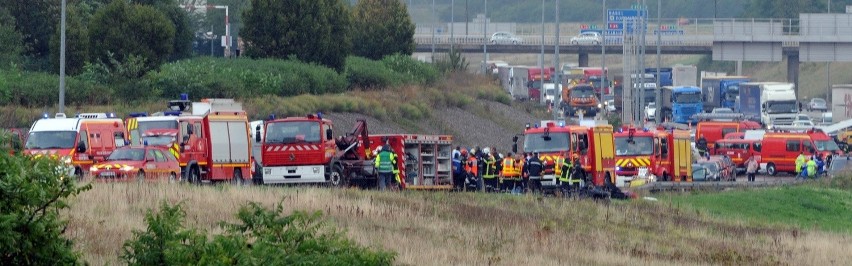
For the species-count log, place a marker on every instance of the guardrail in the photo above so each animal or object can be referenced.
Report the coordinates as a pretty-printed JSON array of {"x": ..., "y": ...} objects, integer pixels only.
[
  {"x": 650, "y": 40},
  {"x": 713, "y": 185}
]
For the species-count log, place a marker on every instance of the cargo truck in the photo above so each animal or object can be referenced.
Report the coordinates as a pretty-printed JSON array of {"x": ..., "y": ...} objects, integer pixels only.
[
  {"x": 748, "y": 102},
  {"x": 680, "y": 103},
  {"x": 841, "y": 99},
  {"x": 665, "y": 75},
  {"x": 778, "y": 104},
  {"x": 684, "y": 75},
  {"x": 535, "y": 78},
  {"x": 721, "y": 91}
]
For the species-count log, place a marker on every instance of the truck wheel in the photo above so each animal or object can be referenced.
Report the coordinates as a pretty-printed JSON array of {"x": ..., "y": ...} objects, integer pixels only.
[
  {"x": 335, "y": 178},
  {"x": 770, "y": 169},
  {"x": 78, "y": 173},
  {"x": 666, "y": 177},
  {"x": 237, "y": 179},
  {"x": 140, "y": 176},
  {"x": 173, "y": 178},
  {"x": 194, "y": 177}
]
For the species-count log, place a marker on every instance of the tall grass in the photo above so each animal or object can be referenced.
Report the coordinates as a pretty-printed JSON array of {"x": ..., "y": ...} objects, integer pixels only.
[{"x": 436, "y": 228}]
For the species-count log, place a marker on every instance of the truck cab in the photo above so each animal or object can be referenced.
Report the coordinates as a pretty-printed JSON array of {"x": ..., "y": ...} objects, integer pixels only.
[
  {"x": 297, "y": 150},
  {"x": 721, "y": 91},
  {"x": 78, "y": 142},
  {"x": 580, "y": 97},
  {"x": 681, "y": 103},
  {"x": 633, "y": 154},
  {"x": 778, "y": 104}
]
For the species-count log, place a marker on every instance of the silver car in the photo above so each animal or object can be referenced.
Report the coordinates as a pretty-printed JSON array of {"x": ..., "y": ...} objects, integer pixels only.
[
  {"x": 505, "y": 38},
  {"x": 817, "y": 104},
  {"x": 587, "y": 38}
]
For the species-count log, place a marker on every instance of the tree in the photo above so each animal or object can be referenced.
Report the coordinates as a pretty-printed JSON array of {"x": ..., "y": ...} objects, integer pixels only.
[
  {"x": 783, "y": 9},
  {"x": 182, "y": 46},
  {"x": 35, "y": 20},
  {"x": 309, "y": 30},
  {"x": 11, "y": 41},
  {"x": 76, "y": 42},
  {"x": 34, "y": 195},
  {"x": 382, "y": 27},
  {"x": 126, "y": 30}
]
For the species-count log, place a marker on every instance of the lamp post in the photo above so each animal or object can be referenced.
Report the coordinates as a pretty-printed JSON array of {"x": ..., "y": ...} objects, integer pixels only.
[
  {"x": 62, "y": 62},
  {"x": 227, "y": 52}
]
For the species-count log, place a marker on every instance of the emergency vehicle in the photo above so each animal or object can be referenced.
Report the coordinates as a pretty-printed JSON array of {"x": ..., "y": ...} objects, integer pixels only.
[
  {"x": 658, "y": 154},
  {"x": 79, "y": 142},
  {"x": 780, "y": 149},
  {"x": 738, "y": 149},
  {"x": 218, "y": 147},
  {"x": 424, "y": 161},
  {"x": 594, "y": 145},
  {"x": 716, "y": 130}
]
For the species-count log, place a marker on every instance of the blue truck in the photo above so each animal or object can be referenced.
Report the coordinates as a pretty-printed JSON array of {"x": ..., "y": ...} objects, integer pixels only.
[
  {"x": 665, "y": 77},
  {"x": 748, "y": 102},
  {"x": 721, "y": 91},
  {"x": 681, "y": 103}
]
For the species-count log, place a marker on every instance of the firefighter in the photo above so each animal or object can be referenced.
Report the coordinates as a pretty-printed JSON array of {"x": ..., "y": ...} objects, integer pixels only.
[
  {"x": 577, "y": 174},
  {"x": 508, "y": 173},
  {"x": 533, "y": 169},
  {"x": 701, "y": 144},
  {"x": 458, "y": 169},
  {"x": 471, "y": 168},
  {"x": 800, "y": 162},
  {"x": 489, "y": 174},
  {"x": 565, "y": 174},
  {"x": 812, "y": 168},
  {"x": 385, "y": 165}
]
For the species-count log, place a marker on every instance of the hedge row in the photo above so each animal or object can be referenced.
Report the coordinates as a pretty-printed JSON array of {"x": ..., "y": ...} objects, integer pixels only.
[{"x": 205, "y": 77}]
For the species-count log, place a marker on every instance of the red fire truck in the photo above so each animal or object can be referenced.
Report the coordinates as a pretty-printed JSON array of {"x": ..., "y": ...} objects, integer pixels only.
[
  {"x": 222, "y": 139},
  {"x": 665, "y": 155},
  {"x": 424, "y": 161},
  {"x": 594, "y": 145}
]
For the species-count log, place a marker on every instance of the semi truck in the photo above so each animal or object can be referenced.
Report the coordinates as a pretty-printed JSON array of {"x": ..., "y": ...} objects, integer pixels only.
[
  {"x": 535, "y": 78},
  {"x": 680, "y": 103},
  {"x": 666, "y": 75},
  {"x": 684, "y": 75},
  {"x": 773, "y": 102},
  {"x": 748, "y": 102},
  {"x": 721, "y": 91}
]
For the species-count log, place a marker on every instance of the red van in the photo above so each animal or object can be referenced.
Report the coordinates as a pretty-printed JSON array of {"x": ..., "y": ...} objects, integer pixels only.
[
  {"x": 738, "y": 149},
  {"x": 715, "y": 130},
  {"x": 781, "y": 149}
]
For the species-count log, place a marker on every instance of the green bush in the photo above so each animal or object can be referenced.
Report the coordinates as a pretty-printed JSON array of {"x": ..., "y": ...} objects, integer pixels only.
[
  {"x": 413, "y": 70},
  {"x": 39, "y": 89},
  {"x": 262, "y": 236},
  {"x": 365, "y": 73},
  {"x": 31, "y": 227}
]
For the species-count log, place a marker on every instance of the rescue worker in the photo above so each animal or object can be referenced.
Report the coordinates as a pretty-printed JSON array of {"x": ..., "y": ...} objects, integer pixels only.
[
  {"x": 577, "y": 173},
  {"x": 564, "y": 175},
  {"x": 458, "y": 169},
  {"x": 812, "y": 168},
  {"x": 820, "y": 165},
  {"x": 701, "y": 145},
  {"x": 751, "y": 168},
  {"x": 533, "y": 169},
  {"x": 489, "y": 174},
  {"x": 471, "y": 168},
  {"x": 800, "y": 162},
  {"x": 385, "y": 165},
  {"x": 508, "y": 173}
]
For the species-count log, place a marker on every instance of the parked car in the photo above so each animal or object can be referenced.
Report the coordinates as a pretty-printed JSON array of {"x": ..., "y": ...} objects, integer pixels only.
[
  {"x": 722, "y": 110},
  {"x": 137, "y": 163},
  {"x": 587, "y": 38},
  {"x": 505, "y": 38},
  {"x": 700, "y": 172},
  {"x": 721, "y": 167},
  {"x": 817, "y": 104},
  {"x": 803, "y": 120},
  {"x": 650, "y": 111}
]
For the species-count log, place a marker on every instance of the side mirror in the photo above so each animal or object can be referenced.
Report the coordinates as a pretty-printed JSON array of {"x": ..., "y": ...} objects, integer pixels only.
[
  {"x": 515, "y": 147},
  {"x": 328, "y": 134},
  {"x": 81, "y": 147},
  {"x": 257, "y": 134}
]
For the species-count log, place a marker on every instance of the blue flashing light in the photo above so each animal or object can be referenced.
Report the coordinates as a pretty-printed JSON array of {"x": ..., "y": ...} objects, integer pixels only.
[
  {"x": 45, "y": 115},
  {"x": 77, "y": 114},
  {"x": 645, "y": 129},
  {"x": 620, "y": 130},
  {"x": 110, "y": 115},
  {"x": 618, "y": 168},
  {"x": 184, "y": 97},
  {"x": 145, "y": 142},
  {"x": 271, "y": 117},
  {"x": 562, "y": 123},
  {"x": 138, "y": 114},
  {"x": 536, "y": 125},
  {"x": 172, "y": 113},
  {"x": 319, "y": 115}
]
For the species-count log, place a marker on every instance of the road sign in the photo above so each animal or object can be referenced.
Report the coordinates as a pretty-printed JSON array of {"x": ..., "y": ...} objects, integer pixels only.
[{"x": 616, "y": 17}]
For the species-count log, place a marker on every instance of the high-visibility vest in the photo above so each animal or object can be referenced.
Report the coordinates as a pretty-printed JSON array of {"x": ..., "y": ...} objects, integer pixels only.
[
  {"x": 557, "y": 165},
  {"x": 471, "y": 166},
  {"x": 385, "y": 161},
  {"x": 509, "y": 170},
  {"x": 490, "y": 168},
  {"x": 566, "y": 175},
  {"x": 800, "y": 161}
]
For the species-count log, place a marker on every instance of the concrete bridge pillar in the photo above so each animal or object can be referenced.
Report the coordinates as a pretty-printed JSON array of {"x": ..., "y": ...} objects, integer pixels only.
[
  {"x": 793, "y": 71},
  {"x": 583, "y": 59}
]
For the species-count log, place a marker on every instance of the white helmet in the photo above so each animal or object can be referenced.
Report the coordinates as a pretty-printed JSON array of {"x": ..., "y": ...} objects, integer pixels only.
[
  {"x": 486, "y": 150},
  {"x": 377, "y": 150}
]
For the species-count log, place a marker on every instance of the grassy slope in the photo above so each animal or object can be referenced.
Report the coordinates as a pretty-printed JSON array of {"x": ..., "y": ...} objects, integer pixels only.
[
  {"x": 803, "y": 206},
  {"x": 437, "y": 228}
]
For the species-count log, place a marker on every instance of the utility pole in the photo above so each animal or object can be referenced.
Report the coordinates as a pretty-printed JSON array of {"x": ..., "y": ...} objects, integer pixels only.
[
  {"x": 558, "y": 75},
  {"x": 828, "y": 69},
  {"x": 603, "y": 53},
  {"x": 452, "y": 25},
  {"x": 485, "y": 39},
  {"x": 62, "y": 63},
  {"x": 434, "y": 22},
  {"x": 541, "y": 57},
  {"x": 466, "y": 19},
  {"x": 659, "y": 98}
]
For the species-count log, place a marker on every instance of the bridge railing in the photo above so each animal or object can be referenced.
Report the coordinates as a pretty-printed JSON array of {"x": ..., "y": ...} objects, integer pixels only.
[{"x": 650, "y": 40}]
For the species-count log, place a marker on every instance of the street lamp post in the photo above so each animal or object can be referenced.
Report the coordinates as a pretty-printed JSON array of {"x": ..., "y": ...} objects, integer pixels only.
[
  {"x": 62, "y": 62},
  {"x": 227, "y": 52}
]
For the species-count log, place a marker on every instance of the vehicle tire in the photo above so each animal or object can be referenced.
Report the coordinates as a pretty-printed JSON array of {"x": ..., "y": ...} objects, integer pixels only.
[
  {"x": 78, "y": 173},
  {"x": 173, "y": 178},
  {"x": 666, "y": 177},
  {"x": 140, "y": 176},
  {"x": 574, "y": 42},
  {"x": 771, "y": 170},
  {"x": 595, "y": 43},
  {"x": 515, "y": 42},
  {"x": 493, "y": 41},
  {"x": 336, "y": 179},
  {"x": 237, "y": 179}
]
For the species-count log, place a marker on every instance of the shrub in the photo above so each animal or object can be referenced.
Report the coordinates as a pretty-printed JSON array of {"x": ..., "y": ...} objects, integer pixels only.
[
  {"x": 366, "y": 73},
  {"x": 39, "y": 89},
  {"x": 34, "y": 193},
  {"x": 413, "y": 70},
  {"x": 262, "y": 236}
]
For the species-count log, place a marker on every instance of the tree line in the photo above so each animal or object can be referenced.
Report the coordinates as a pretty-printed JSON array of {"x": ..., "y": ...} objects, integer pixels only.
[{"x": 131, "y": 38}]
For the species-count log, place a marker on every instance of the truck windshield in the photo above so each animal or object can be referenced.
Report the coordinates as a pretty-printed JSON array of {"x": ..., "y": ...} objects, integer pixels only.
[
  {"x": 624, "y": 146},
  {"x": 550, "y": 92},
  {"x": 538, "y": 143},
  {"x": 782, "y": 107},
  {"x": 582, "y": 92},
  {"x": 687, "y": 97},
  {"x": 293, "y": 132},
  {"x": 826, "y": 145},
  {"x": 534, "y": 84},
  {"x": 732, "y": 93},
  {"x": 51, "y": 140},
  {"x": 127, "y": 155},
  {"x": 148, "y": 125},
  {"x": 650, "y": 95},
  {"x": 158, "y": 140}
]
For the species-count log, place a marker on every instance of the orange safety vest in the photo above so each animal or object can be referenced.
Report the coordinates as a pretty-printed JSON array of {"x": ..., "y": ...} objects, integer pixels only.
[
  {"x": 509, "y": 169},
  {"x": 557, "y": 165},
  {"x": 471, "y": 166}
]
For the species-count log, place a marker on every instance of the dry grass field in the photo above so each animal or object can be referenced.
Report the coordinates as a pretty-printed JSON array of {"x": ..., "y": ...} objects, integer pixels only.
[{"x": 439, "y": 228}]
